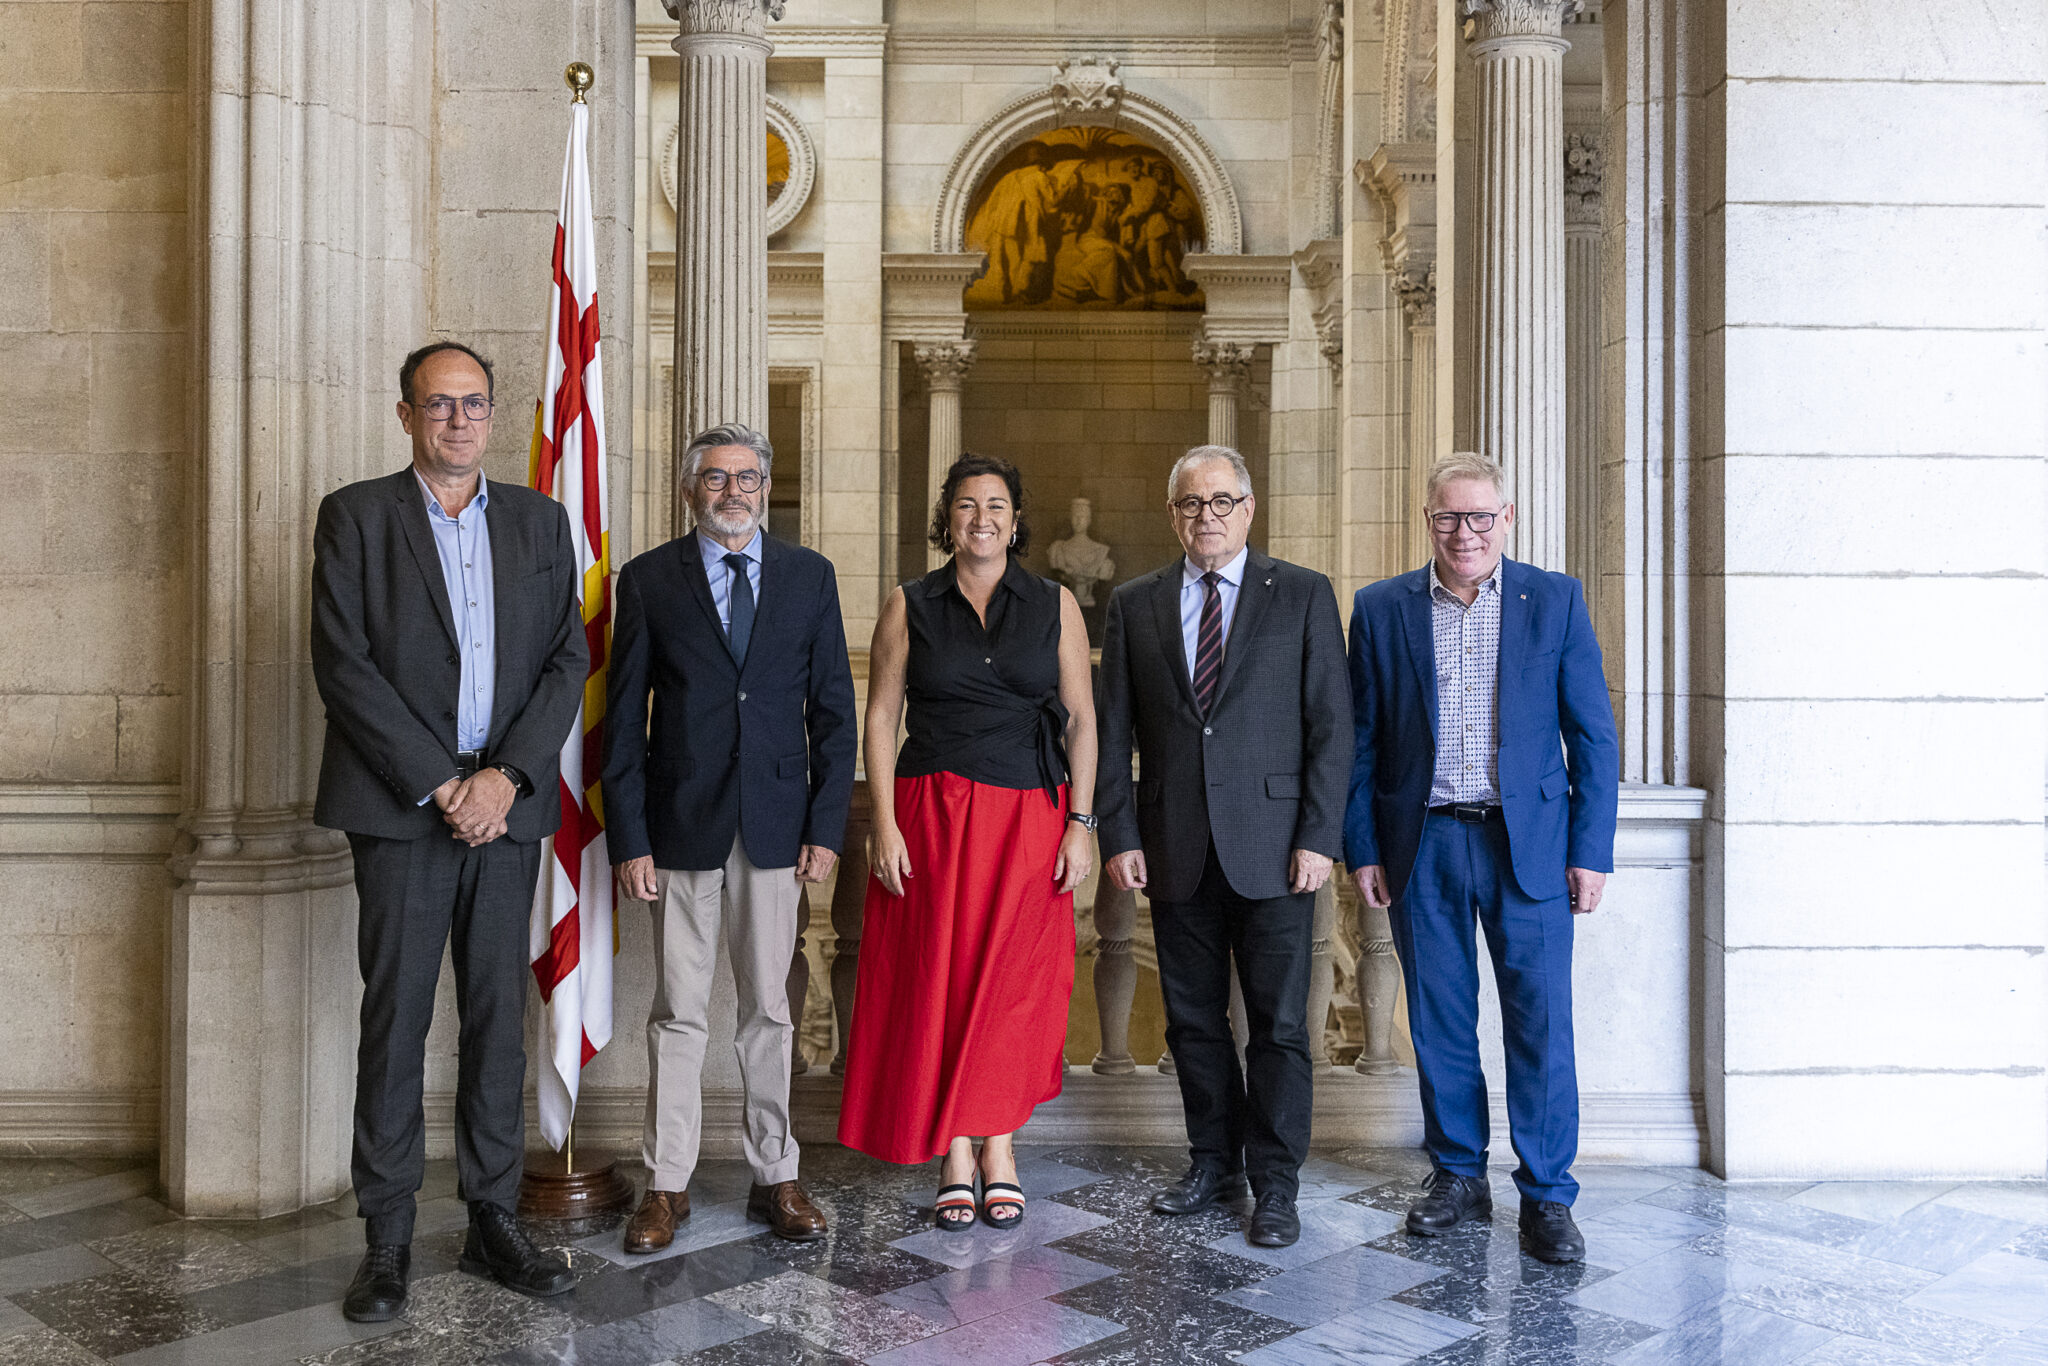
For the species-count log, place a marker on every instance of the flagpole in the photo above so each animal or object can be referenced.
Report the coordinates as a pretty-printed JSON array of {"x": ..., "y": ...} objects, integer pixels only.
[{"x": 568, "y": 435}]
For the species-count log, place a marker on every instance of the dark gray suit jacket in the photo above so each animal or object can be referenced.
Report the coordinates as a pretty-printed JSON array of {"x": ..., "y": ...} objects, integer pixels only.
[
  {"x": 1266, "y": 773},
  {"x": 385, "y": 662}
]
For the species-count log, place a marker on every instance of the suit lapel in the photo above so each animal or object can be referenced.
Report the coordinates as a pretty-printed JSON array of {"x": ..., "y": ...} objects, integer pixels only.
[
  {"x": 770, "y": 603},
  {"x": 1415, "y": 615},
  {"x": 1254, "y": 591},
  {"x": 510, "y": 565},
  {"x": 1517, "y": 631},
  {"x": 1166, "y": 616},
  {"x": 692, "y": 568},
  {"x": 419, "y": 534}
]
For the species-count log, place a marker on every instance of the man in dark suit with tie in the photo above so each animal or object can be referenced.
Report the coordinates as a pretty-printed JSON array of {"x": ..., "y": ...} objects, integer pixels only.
[
  {"x": 728, "y": 769},
  {"x": 449, "y": 651},
  {"x": 1226, "y": 670},
  {"x": 1484, "y": 784}
]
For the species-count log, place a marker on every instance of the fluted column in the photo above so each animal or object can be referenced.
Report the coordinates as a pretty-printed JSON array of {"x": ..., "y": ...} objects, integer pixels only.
[
  {"x": 1417, "y": 288},
  {"x": 945, "y": 366},
  {"x": 1229, "y": 366},
  {"x": 1518, "y": 55},
  {"x": 721, "y": 372},
  {"x": 1582, "y": 356}
]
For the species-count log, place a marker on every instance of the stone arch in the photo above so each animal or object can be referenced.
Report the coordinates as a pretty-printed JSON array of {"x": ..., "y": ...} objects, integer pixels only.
[
  {"x": 1408, "y": 102},
  {"x": 1133, "y": 113}
]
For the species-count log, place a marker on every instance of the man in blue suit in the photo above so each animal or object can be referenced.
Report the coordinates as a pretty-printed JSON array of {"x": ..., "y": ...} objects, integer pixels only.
[{"x": 1483, "y": 787}]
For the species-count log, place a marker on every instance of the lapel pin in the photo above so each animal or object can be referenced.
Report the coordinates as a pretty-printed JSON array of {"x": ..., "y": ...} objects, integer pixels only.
[
  {"x": 1525, "y": 597},
  {"x": 1269, "y": 583}
]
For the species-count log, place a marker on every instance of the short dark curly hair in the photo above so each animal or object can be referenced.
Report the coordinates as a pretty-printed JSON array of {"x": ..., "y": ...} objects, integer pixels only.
[{"x": 967, "y": 467}]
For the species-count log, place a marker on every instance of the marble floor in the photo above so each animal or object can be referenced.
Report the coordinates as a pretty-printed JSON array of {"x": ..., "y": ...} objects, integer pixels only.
[{"x": 1681, "y": 1268}]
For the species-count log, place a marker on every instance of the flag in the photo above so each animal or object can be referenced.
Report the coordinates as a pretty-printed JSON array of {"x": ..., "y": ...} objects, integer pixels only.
[{"x": 572, "y": 937}]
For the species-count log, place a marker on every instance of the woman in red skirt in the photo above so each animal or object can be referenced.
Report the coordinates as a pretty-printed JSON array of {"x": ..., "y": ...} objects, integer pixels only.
[{"x": 981, "y": 833}]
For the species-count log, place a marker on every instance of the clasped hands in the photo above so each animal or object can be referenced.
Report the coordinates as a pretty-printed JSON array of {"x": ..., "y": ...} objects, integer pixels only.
[{"x": 475, "y": 806}]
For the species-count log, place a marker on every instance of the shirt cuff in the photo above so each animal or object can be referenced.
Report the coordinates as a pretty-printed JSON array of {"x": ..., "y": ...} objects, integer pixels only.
[{"x": 437, "y": 787}]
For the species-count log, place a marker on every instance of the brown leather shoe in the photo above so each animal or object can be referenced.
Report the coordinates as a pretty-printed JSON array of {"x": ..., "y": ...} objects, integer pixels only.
[
  {"x": 787, "y": 1211},
  {"x": 653, "y": 1225}
]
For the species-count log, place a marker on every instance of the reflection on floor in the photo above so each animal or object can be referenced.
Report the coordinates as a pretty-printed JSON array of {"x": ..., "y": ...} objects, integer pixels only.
[{"x": 1681, "y": 1269}]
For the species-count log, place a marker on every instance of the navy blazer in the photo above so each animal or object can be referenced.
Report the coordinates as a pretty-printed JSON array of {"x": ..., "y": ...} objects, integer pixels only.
[
  {"x": 697, "y": 748},
  {"x": 1559, "y": 799}
]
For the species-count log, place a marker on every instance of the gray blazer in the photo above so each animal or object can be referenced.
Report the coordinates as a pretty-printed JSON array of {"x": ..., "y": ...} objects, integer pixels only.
[
  {"x": 1265, "y": 773},
  {"x": 385, "y": 662}
]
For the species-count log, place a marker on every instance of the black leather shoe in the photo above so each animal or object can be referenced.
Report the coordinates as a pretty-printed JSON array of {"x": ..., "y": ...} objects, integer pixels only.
[
  {"x": 498, "y": 1247},
  {"x": 1198, "y": 1190},
  {"x": 1548, "y": 1233},
  {"x": 1447, "y": 1201},
  {"x": 377, "y": 1294},
  {"x": 1274, "y": 1223}
]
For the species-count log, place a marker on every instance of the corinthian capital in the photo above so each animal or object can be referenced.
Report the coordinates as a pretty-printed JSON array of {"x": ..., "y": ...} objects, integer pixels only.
[
  {"x": 945, "y": 364},
  {"x": 746, "y": 17},
  {"x": 1582, "y": 178},
  {"x": 1517, "y": 18},
  {"x": 1417, "y": 288},
  {"x": 1229, "y": 364}
]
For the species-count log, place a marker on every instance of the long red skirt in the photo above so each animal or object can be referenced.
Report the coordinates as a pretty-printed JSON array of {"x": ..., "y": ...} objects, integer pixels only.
[{"x": 960, "y": 1007}]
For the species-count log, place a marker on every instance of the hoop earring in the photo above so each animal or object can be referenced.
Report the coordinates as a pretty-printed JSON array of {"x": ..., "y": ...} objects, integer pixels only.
[{"x": 1013, "y": 538}]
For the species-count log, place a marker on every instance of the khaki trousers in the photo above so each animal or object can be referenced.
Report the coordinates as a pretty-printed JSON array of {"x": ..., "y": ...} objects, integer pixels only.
[{"x": 754, "y": 909}]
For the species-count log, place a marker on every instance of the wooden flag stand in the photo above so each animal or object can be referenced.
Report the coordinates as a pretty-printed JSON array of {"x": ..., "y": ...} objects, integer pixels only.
[{"x": 552, "y": 1190}]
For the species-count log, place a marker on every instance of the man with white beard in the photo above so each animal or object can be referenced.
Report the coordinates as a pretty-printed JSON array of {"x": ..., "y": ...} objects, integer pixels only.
[{"x": 728, "y": 767}]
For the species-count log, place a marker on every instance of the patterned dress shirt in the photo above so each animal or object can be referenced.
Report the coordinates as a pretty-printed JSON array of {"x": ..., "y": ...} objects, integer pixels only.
[{"x": 1467, "y": 683}]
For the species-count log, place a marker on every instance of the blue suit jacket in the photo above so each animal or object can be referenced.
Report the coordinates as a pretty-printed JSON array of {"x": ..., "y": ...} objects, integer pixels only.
[{"x": 1559, "y": 799}]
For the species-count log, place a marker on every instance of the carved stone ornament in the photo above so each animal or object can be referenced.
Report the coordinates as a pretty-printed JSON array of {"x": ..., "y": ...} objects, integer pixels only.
[
  {"x": 1330, "y": 32},
  {"x": 1582, "y": 178},
  {"x": 1417, "y": 288},
  {"x": 1517, "y": 18},
  {"x": 747, "y": 17},
  {"x": 1088, "y": 85},
  {"x": 945, "y": 364},
  {"x": 1228, "y": 364},
  {"x": 787, "y": 197},
  {"x": 1330, "y": 341}
]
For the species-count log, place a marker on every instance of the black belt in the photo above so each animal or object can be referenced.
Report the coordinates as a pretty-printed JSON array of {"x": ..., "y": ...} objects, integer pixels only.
[
  {"x": 1472, "y": 813},
  {"x": 468, "y": 762}
]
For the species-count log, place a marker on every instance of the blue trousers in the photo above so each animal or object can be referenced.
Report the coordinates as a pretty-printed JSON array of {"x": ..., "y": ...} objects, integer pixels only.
[{"x": 1463, "y": 877}]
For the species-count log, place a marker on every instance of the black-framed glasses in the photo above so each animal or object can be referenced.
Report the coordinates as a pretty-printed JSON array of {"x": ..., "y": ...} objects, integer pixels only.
[
  {"x": 749, "y": 481},
  {"x": 440, "y": 407},
  {"x": 1446, "y": 523},
  {"x": 1222, "y": 505}
]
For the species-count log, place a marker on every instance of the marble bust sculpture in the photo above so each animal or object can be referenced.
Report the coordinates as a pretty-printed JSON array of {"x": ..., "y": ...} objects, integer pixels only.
[{"x": 1081, "y": 561}]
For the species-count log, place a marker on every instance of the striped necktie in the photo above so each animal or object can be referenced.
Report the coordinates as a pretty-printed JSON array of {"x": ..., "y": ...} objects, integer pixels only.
[{"x": 1209, "y": 642}]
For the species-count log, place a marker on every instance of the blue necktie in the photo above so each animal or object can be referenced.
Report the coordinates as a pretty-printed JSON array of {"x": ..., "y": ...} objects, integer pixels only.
[
  {"x": 1209, "y": 643},
  {"x": 741, "y": 607}
]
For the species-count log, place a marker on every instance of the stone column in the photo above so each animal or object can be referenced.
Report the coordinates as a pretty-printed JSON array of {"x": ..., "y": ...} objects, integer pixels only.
[
  {"x": 1229, "y": 365},
  {"x": 1116, "y": 976},
  {"x": 945, "y": 366},
  {"x": 1518, "y": 56},
  {"x": 721, "y": 370},
  {"x": 1378, "y": 987},
  {"x": 310, "y": 290},
  {"x": 1417, "y": 288},
  {"x": 1582, "y": 357}
]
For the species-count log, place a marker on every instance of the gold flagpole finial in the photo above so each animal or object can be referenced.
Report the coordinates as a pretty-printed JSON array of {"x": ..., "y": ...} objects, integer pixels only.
[{"x": 579, "y": 78}]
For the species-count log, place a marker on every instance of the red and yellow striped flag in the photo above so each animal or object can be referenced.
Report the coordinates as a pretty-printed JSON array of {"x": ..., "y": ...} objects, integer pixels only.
[{"x": 572, "y": 936}]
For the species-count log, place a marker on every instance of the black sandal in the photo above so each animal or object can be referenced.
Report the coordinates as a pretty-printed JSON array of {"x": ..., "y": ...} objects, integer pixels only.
[
  {"x": 990, "y": 1201},
  {"x": 954, "y": 1212}
]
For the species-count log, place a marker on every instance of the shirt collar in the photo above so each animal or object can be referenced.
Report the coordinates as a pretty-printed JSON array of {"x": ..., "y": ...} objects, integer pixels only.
[
  {"x": 1492, "y": 584},
  {"x": 714, "y": 553},
  {"x": 480, "y": 502},
  {"x": 1233, "y": 573}
]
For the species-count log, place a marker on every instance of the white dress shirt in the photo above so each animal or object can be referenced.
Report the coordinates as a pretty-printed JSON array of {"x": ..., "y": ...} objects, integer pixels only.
[{"x": 1192, "y": 594}]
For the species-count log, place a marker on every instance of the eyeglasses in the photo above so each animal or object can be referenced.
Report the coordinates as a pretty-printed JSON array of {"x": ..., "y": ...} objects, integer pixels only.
[
  {"x": 749, "y": 481},
  {"x": 1222, "y": 505},
  {"x": 1446, "y": 523},
  {"x": 440, "y": 407}
]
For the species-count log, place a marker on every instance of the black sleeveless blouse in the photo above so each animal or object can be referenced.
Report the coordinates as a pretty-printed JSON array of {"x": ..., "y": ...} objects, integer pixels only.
[{"x": 984, "y": 701}]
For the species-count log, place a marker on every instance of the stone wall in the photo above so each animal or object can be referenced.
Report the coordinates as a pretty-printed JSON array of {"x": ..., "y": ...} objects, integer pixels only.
[{"x": 95, "y": 334}]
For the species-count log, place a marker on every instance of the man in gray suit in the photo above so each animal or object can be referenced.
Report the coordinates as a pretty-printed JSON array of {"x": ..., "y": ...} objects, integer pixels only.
[
  {"x": 1226, "y": 669},
  {"x": 449, "y": 650}
]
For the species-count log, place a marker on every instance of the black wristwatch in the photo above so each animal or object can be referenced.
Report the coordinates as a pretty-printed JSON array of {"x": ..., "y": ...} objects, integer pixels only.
[
  {"x": 1083, "y": 819},
  {"x": 516, "y": 778}
]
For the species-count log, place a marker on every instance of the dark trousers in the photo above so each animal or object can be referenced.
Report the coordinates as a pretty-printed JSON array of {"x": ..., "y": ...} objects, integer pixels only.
[
  {"x": 1462, "y": 876},
  {"x": 416, "y": 896},
  {"x": 1262, "y": 1124}
]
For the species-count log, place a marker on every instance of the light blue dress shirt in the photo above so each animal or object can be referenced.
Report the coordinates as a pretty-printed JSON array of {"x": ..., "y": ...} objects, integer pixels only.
[
  {"x": 464, "y": 545},
  {"x": 1192, "y": 594},
  {"x": 720, "y": 573}
]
